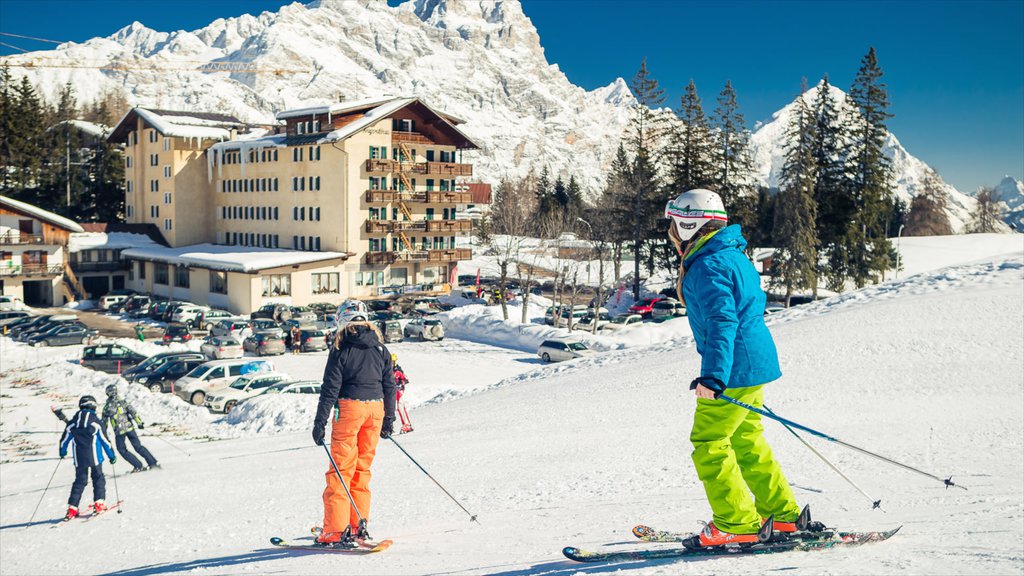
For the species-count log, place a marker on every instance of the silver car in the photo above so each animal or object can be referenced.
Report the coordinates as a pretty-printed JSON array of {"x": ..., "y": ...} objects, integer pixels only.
[
  {"x": 222, "y": 347},
  {"x": 425, "y": 328},
  {"x": 562, "y": 349}
]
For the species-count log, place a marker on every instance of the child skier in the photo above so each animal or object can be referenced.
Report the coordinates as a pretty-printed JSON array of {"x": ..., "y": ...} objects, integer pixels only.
[
  {"x": 725, "y": 306},
  {"x": 123, "y": 418},
  {"x": 88, "y": 442},
  {"x": 359, "y": 389},
  {"x": 400, "y": 381}
]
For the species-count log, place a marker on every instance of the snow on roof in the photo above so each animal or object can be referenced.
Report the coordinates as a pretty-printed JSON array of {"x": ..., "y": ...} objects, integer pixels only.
[
  {"x": 338, "y": 108},
  {"x": 107, "y": 241},
  {"x": 185, "y": 126},
  {"x": 90, "y": 128},
  {"x": 230, "y": 258},
  {"x": 40, "y": 214}
]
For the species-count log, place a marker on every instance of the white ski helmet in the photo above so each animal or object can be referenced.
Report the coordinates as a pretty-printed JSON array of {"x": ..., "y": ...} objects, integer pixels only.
[
  {"x": 349, "y": 316},
  {"x": 691, "y": 210}
]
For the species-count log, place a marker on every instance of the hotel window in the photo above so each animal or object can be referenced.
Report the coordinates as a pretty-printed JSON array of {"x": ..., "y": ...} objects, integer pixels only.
[
  {"x": 167, "y": 223},
  {"x": 275, "y": 212},
  {"x": 181, "y": 276},
  {"x": 128, "y": 186},
  {"x": 277, "y": 285},
  {"x": 380, "y": 278},
  {"x": 152, "y": 136},
  {"x": 359, "y": 278},
  {"x": 430, "y": 184},
  {"x": 218, "y": 282},
  {"x": 326, "y": 283},
  {"x": 167, "y": 197},
  {"x": 154, "y": 211},
  {"x": 154, "y": 185},
  {"x": 316, "y": 243},
  {"x": 296, "y": 154},
  {"x": 131, "y": 210},
  {"x": 451, "y": 242},
  {"x": 275, "y": 179},
  {"x": 160, "y": 273},
  {"x": 430, "y": 155},
  {"x": 154, "y": 159},
  {"x": 374, "y": 183},
  {"x": 167, "y": 144},
  {"x": 142, "y": 270},
  {"x": 135, "y": 138},
  {"x": 128, "y": 162},
  {"x": 314, "y": 153},
  {"x": 430, "y": 213},
  {"x": 317, "y": 214}
]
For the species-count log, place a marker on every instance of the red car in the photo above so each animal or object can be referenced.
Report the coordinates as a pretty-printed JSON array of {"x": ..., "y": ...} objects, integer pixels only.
[{"x": 645, "y": 306}]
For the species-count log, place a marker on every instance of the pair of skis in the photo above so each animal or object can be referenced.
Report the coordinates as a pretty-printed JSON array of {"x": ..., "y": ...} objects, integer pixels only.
[
  {"x": 92, "y": 513},
  {"x": 770, "y": 543},
  {"x": 360, "y": 549}
]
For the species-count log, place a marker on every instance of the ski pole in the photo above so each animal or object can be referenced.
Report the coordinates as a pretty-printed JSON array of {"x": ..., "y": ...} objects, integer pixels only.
[
  {"x": 472, "y": 517},
  {"x": 117, "y": 495},
  {"x": 874, "y": 503},
  {"x": 362, "y": 521},
  {"x": 33, "y": 517},
  {"x": 947, "y": 481}
]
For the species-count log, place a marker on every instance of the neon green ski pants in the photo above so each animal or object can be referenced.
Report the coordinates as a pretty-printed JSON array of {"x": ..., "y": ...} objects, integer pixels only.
[{"x": 734, "y": 460}]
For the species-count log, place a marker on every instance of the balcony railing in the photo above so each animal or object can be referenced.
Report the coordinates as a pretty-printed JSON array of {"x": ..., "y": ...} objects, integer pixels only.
[
  {"x": 428, "y": 168},
  {"x": 450, "y": 255},
  {"x": 449, "y": 169},
  {"x": 387, "y": 226},
  {"x": 430, "y": 197},
  {"x": 100, "y": 266},
  {"x": 449, "y": 225},
  {"x": 410, "y": 138},
  {"x": 412, "y": 289},
  {"x": 443, "y": 197},
  {"x": 19, "y": 238},
  {"x": 31, "y": 270}
]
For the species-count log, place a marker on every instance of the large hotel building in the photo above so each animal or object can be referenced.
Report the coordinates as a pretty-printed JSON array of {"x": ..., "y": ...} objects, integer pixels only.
[{"x": 353, "y": 200}]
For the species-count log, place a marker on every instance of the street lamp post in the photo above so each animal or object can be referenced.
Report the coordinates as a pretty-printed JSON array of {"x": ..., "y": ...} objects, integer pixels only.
[{"x": 899, "y": 235}]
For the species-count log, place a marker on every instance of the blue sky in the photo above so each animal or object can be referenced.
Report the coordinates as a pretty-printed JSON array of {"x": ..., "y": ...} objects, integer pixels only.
[{"x": 955, "y": 70}]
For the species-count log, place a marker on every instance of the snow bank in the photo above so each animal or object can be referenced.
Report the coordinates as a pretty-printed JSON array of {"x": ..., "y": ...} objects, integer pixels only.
[{"x": 271, "y": 414}]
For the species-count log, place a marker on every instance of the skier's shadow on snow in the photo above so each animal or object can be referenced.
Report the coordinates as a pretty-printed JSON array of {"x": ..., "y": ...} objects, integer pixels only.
[
  {"x": 567, "y": 567},
  {"x": 207, "y": 564}
]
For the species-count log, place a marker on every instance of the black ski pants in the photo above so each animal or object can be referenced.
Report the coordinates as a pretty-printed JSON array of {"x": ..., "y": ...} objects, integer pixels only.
[
  {"x": 99, "y": 484},
  {"x": 122, "y": 449}
]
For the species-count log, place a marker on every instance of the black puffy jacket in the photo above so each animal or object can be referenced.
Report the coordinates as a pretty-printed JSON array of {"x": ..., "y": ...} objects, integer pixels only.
[{"x": 359, "y": 368}]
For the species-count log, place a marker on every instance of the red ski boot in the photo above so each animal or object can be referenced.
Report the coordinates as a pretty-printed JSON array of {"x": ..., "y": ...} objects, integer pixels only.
[{"x": 72, "y": 513}]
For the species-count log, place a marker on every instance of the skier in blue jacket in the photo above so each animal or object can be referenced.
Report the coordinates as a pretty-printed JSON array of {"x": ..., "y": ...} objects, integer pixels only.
[
  {"x": 84, "y": 436},
  {"x": 725, "y": 307}
]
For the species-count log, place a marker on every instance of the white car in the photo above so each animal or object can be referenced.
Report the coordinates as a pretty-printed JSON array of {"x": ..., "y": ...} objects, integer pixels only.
[
  {"x": 237, "y": 329},
  {"x": 188, "y": 315},
  {"x": 11, "y": 303},
  {"x": 295, "y": 387},
  {"x": 425, "y": 328},
  {"x": 221, "y": 347},
  {"x": 110, "y": 299},
  {"x": 213, "y": 376},
  {"x": 243, "y": 387},
  {"x": 556, "y": 350},
  {"x": 667, "y": 309},
  {"x": 624, "y": 321},
  {"x": 587, "y": 322}
]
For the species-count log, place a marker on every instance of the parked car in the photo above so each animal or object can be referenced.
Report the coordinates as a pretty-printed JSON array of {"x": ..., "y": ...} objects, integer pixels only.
[
  {"x": 221, "y": 347},
  {"x": 32, "y": 323},
  {"x": 556, "y": 350},
  {"x": 176, "y": 333},
  {"x": 624, "y": 321},
  {"x": 45, "y": 326},
  {"x": 156, "y": 312},
  {"x": 562, "y": 313},
  {"x": 426, "y": 303},
  {"x": 11, "y": 303},
  {"x": 9, "y": 317},
  {"x": 238, "y": 329},
  {"x": 264, "y": 344},
  {"x": 207, "y": 318},
  {"x": 587, "y": 322},
  {"x": 172, "y": 308},
  {"x": 163, "y": 379},
  {"x": 156, "y": 361},
  {"x": 212, "y": 376},
  {"x": 312, "y": 340},
  {"x": 64, "y": 335},
  {"x": 379, "y": 305},
  {"x": 391, "y": 330},
  {"x": 645, "y": 306},
  {"x": 107, "y": 301},
  {"x": 188, "y": 314},
  {"x": 295, "y": 387},
  {"x": 322, "y": 309},
  {"x": 275, "y": 312},
  {"x": 773, "y": 309},
  {"x": 110, "y": 358},
  {"x": 667, "y": 308},
  {"x": 266, "y": 325},
  {"x": 303, "y": 314},
  {"x": 242, "y": 388},
  {"x": 425, "y": 328}
]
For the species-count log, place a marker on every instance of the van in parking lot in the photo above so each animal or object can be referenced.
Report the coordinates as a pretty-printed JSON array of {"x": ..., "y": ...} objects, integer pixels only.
[
  {"x": 216, "y": 375},
  {"x": 556, "y": 350},
  {"x": 111, "y": 299}
]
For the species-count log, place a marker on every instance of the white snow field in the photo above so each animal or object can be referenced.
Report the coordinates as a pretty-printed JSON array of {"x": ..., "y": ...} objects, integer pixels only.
[{"x": 928, "y": 369}]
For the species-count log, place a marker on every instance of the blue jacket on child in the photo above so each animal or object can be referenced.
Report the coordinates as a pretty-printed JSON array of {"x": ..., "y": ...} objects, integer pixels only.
[
  {"x": 86, "y": 438},
  {"x": 725, "y": 305}
]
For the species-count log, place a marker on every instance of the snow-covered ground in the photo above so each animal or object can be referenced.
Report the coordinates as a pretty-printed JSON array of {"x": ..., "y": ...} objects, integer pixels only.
[{"x": 928, "y": 369}]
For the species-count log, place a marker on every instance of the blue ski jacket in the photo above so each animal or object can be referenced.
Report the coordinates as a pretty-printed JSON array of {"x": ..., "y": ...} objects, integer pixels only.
[
  {"x": 86, "y": 438},
  {"x": 725, "y": 305}
]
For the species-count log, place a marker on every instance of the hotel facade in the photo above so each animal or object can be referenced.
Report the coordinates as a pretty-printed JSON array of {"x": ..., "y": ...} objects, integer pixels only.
[{"x": 354, "y": 200}]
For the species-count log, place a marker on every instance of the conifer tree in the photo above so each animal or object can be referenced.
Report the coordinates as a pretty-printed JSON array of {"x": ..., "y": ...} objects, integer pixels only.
[
  {"x": 867, "y": 244},
  {"x": 645, "y": 130},
  {"x": 734, "y": 167},
  {"x": 104, "y": 193},
  {"x": 794, "y": 265},
  {"x": 7, "y": 126},
  {"x": 29, "y": 127},
  {"x": 833, "y": 188},
  {"x": 693, "y": 151},
  {"x": 545, "y": 196}
]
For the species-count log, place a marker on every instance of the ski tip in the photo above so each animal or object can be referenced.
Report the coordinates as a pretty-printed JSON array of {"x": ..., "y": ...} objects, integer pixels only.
[
  {"x": 382, "y": 545},
  {"x": 276, "y": 541},
  {"x": 641, "y": 531}
]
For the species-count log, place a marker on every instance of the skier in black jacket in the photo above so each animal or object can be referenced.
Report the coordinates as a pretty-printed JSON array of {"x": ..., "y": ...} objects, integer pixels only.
[
  {"x": 85, "y": 436},
  {"x": 359, "y": 387}
]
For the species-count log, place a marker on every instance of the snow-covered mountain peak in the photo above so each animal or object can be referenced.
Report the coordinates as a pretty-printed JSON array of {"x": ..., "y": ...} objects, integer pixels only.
[{"x": 617, "y": 94}]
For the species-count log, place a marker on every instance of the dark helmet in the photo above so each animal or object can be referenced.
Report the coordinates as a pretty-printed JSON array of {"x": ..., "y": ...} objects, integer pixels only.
[
  {"x": 87, "y": 403},
  {"x": 111, "y": 390}
]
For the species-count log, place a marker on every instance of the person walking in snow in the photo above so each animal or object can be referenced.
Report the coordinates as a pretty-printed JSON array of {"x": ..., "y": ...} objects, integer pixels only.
[
  {"x": 359, "y": 389},
  {"x": 85, "y": 437},
  {"x": 295, "y": 339},
  {"x": 139, "y": 332},
  {"x": 725, "y": 306},
  {"x": 123, "y": 418},
  {"x": 400, "y": 381}
]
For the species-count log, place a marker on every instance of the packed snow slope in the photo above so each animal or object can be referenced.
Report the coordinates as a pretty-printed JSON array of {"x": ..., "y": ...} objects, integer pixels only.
[{"x": 926, "y": 369}]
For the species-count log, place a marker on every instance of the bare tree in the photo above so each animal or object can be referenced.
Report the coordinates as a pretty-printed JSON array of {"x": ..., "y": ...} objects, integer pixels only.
[
  {"x": 511, "y": 220},
  {"x": 985, "y": 217},
  {"x": 927, "y": 215}
]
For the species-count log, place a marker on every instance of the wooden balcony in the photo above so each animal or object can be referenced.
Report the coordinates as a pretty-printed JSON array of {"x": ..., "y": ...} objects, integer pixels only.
[
  {"x": 430, "y": 256},
  {"x": 442, "y": 197},
  {"x": 410, "y": 138},
  {"x": 427, "y": 168},
  {"x": 449, "y": 225},
  {"x": 448, "y": 169},
  {"x": 32, "y": 270},
  {"x": 430, "y": 197},
  {"x": 381, "y": 196},
  {"x": 380, "y": 258},
  {"x": 389, "y": 226},
  {"x": 373, "y": 165},
  {"x": 21, "y": 238},
  {"x": 451, "y": 255}
]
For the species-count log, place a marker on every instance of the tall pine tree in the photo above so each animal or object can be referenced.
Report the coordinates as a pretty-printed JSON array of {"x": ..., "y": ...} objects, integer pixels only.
[
  {"x": 833, "y": 190},
  {"x": 733, "y": 164},
  {"x": 645, "y": 131},
  {"x": 692, "y": 154}
]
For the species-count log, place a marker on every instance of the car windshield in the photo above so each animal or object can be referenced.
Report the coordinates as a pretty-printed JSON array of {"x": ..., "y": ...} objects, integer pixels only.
[
  {"x": 576, "y": 345},
  {"x": 431, "y": 322},
  {"x": 240, "y": 383},
  {"x": 620, "y": 319},
  {"x": 199, "y": 371}
]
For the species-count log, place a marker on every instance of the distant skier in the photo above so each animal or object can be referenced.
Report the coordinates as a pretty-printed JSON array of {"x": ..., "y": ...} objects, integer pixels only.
[
  {"x": 400, "y": 381},
  {"x": 725, "y": 307},
  {"x": 85, "y": 437},
  {"x": 359, "y": 384},
  {"x": 123, "y": 418}
]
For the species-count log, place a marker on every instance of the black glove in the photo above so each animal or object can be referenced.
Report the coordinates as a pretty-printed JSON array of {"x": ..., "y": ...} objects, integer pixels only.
[
  {"x": 387, "y": 428},
  {"x": 318, "y": 433},
  {"x": 709, "y": 382},
  {"x": 141, "y": 425}
]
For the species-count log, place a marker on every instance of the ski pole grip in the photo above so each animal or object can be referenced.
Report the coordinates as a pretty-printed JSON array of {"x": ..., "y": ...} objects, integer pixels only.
[{"x": 711, "y": 383}]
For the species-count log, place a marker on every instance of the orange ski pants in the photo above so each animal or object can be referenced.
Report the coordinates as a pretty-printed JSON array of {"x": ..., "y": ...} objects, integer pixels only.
[{"x": 354, "y": 437}]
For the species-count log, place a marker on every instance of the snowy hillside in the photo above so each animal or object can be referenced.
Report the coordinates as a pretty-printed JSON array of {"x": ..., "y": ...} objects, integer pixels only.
[
  {"x": 926, "y": 369},
  {"x": 768, "y": 148},
  {"x": 1010, "y": 193},
  {"x": 481, "y": 60}
]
